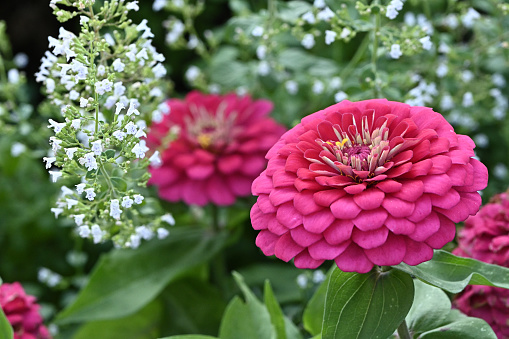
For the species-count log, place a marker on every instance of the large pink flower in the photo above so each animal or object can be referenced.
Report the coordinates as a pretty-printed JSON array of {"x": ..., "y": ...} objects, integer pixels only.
[
  {"x": 219, "y": 150},
  {"x": 22, "y": 312},
  {"x": 485, "y": 237},
  {"x": 366, "y": 183}
]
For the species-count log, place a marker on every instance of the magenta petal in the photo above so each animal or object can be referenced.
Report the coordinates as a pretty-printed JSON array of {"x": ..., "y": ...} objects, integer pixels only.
[
  {"x": 265, "y": 205},
  {"x": 441, "y": 164},
  {"x": 304, "y": 260},
  {"x": 370, "y": 220},
  {"x": 448, "y": 200},
  {"x": 262, "y": 184},
  {"x": 410, "y": 191},
  {"x": 266, "y": 241},
  {"x": 437, "y": 184},
  {"x": 305, "y": 204},
  {"x": 240, "y": 185},
  {"x": 398, "y": 208},
  {"x": 303, "y": 237},
  {"x": 199, "y": 171},
  {"x": 282, "y": 178},
  {"x": 417, "y": 252},
  {"x": 163, "y": 176},
  {"x": 480, "y": 177},
  {"x": 389, "y": 186},
  {"x": 390, "y": 253},
  {"x": 288, "y": 216},
  {"x": 317, "y": 222},
  {"x": 193, "y": 193},
  {"x": 218, "y": 191},
  {"x": 355, "y": 189},
  {"x": 275, "y": 226},
  {"x": 286, "y": 248},
  {"x": 369, "y": 199},
  {"x": 399, "y": 225},
  {"x": 444, "y": 235},
  {"x": 327, "y": 197},
  {"x": 425, "y": 228},
  {"x": 353, "y": 259},
  {"x": 259, "y": 220},
  {"x": 345, "y": 208},
  {"x": 338, "y": 232},
  {"x": 422, "y": 209},
  {"x": 229, "y": 163},
  {"x": 321, "y": 250},
  {"x": 370, "y": 239},
  {"x": 281, "y": 195}
]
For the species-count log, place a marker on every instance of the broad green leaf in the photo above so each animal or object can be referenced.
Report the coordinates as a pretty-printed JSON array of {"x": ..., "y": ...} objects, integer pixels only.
[
  {"x": 144, "y": 324},
  {"x": 370, "y": 305},
  {"x": 276, "y": 314},
  {"x": 313, "y": 313},
  {"x": 453, "y": 273},
  {"x": 119, "y": 183},
  {"x": 192, "y": 306},
  {"x": 290, "y": 11},
  {"x": 126, "y": 280},
  {"x": 465, "y": 328},
  {"x": 430, "y": 308},
  {"x": 249, "y": 320},
  {"x": 5, "y": 326},
  {"x": 190, "y": 336}
]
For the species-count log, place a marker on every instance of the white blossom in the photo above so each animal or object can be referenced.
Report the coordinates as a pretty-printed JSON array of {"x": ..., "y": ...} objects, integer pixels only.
[
  {"x": 80, "y": 188},
  {"x": 168, "y": 218},
  {"x": 446, "y": 103},
  {"x": 139, "y": 149},
  {"x": 426, "y": 43},
  {"x": 131, "y": 128},
  {"x": 325, "y": 15},
  {"x": 71, "y": 203},
  {"x": 49, "y": 161},
  {"x": 263, "y": 68},
  {"x": 55, "y": 175},
  {"x": 470, "y": 18},
  {"x": 292, "y": 87},
  {"x": 308, "y": 41},
  {"x": 76, "y": 123},
  {"x": 57, "y": 211},
  {"x": 135, "y": 240},
  {"x": 119, "y": 135},
  {"x": 84, "y": 231},
  {"x": 115, "y": 210},
  {"x": 340, "y": 96},
  {"x": 162, "y": 233},
  {"x": 97, "y": 234},
  {"x": 101, "y": 70},
  {"x": 90, "y": 194},
  {"x": 330, "y": 36},
  {"x": 319, "y": 3},
  {"x": 132, "y": 109},
  {"x": 302, "y": 280},
  {"x": 159, "y": 4},
  {"x": 498, "y": 80},
  {"x": 395, "y": 51},
  {"x": 318, "y": 87},
  {"x": 118, "y": 65},
  {"x": 257, "y": 31},
  {"x": 127, "y": 202},
  {"x": 467, "y": 75},
  {"x": 442, "y": 70},
  {"x": 78, "y": 219},
  {"x": 261, "y": 52},
  {"x": 144, "y": 232},
  {"x": 159, "y": 70},
  {"x": 89, "y": 161},
  {"x": 83, "y": 102},
  {"x": 133, "y": 5},
  {"x": 155, "y": 159},
  {"x": 309, "y": 17},
  {"x": 66, "y": 191},
  {"x": 192, "y": 73},
  {"x": 318, "y": 277},
  {"x": 97, "y": 147},
  {"x": 468, "y": 99},
  {"x": 103, "y": 86},
  {"x": 138, "y": 198}
]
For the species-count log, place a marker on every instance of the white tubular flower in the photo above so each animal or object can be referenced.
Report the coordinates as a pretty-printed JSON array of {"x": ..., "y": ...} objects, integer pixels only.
[
  {"x": 168, "y": 218},
  {"x": 257, "y": 31},
  {"x": 84, "y": 231},
  {"x": 55, "y": 175},
  {"x": 155, "y": 159},
  {"x": 144, "y": 232},
  {"x": 309, "y": 17},
  {"x": 133, "y": 5},
  {"x": 83, "y": 102},
  {"x": 140, "y": 149},
  {"x": 57, "y": 211},
  {"x": 292, "y": 87},
  {"x": 308, "y": 41},
  {"x": 395, "y": 51},
  {"x": 57, "y": 126},
  {"x": 325, "y": 15},
  {"x": 127, "y": 202},
  {"x": 132, "y": 109},
  {"x": 89, "y": 161},
  {"x": 131, "y": 128},
  {"x": 76, "y": 123},
  {"x": 49, "y": 161},
  {"x": 330, "y": 36},
  {"x": 115, "y": 210},
  {"x": 103, "y": 86},
  {"x": 66, "y": 191},
  {"x": 426, "y": 43},
  {"x": 97, "y": 233},
  {"x": 162, "y": 233},
  {"x": 78, "y": 219},
  {"x": 90, "y": 194},
  {"x": 80, "y": 188},
  {"x": 71, "y": 203},
  {"x": 138, "y": 199},
  {"x": 97, "y": 147},
  {"x": 119, "y": 135},
  {"x": 118, "y": 65}
]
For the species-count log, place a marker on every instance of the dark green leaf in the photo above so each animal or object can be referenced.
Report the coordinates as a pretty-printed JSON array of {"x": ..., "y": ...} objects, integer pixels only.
[
  {"x": 430, "y": 309},
  {"x": 190, "y": 336},
  {"x": 276, "y": 315},
  {"x": 119, "y": 183},
  {"x": 465, "y": 328},
  {"x": 110, "y": 153},
  {"x": 5, "y": 326},
  {"x": 370, "y": 305},
  {"x": 313, "y": 313},
  {"x": 192, "y": 306},
  {"x": 453, "y": 273},
  {"x": 142, "y": 325},
  {"x": 292, "y": 10},
  {"x": 126, "y": 280},
  {"x": 249, "y": 320}
]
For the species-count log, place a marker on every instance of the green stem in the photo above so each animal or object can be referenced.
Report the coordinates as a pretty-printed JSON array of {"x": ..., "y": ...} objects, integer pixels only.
[
  {"x": 218, "y": 264},
  {"x": 106, "y": 177},
  {"x": 403, "y": 331},
  {"x": 363, "y": 47},
  {"x": 374, "y": 54}
]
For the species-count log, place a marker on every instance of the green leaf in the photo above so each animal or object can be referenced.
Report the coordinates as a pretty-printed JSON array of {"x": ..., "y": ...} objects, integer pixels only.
[
  {"x": 126, "y": 280},
  {"x": 370, "y": 305},
  {"x": 465, "y": 328},
  {"x": 5, "y": 326},
  {"x": 313, "y": 313},
  {"x": 142, "y": 325},
  {"x": 190, "y": 336},
  {"x": 119, "y": 183},
  {"x": 453, "y": 273},
  {"x": 192, "y": 306},
  {"x": 430, "y": 308},
  {"x": 110, "y": 153},
  {"x": 431, "y": 317},
  {"x": 249, "y": 320},
  {"x": 292, "y": 10},
  {"x": 276, "y": 314}
]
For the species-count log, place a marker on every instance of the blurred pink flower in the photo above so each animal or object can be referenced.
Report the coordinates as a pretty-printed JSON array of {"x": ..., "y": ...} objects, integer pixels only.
[
  {"x": 219, "y": 149},
  {"x": 488, "y": 303},
  {"x": 485, "y": 237},
  {"x": 366, "y": 183},
  {"x": 22, "y": 312}
]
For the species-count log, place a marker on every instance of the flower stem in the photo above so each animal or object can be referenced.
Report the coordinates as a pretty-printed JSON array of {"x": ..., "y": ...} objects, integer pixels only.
[
  {"x": 218, "y": 265},
  {"x": 403, "y": 331},
  {"x": 374, "y": 54}
]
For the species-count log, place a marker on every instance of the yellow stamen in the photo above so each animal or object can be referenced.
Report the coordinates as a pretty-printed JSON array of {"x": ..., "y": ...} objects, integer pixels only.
[
  {"x": 204, "y": 140},
  {"x": 340, "y": 144}
]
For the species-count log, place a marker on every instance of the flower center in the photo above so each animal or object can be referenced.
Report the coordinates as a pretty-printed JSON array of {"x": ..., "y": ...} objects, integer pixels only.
[
  {"x": 359, "y": 154},
  {"x": 212, "y": 131}
]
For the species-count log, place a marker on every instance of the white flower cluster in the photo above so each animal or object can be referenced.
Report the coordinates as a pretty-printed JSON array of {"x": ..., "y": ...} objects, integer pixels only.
[
  {"x": 102, "y": 149},
  {"x": 422, "y": 94},
  {"x": 393, "y": 9}
]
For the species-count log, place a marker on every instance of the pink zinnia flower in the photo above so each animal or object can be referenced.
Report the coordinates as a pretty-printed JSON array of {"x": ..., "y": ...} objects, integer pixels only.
[
  {"x": 22, "y": 312},
  {"x": 219, "y": 150},
  {"x": 366, "y": 183},
  {"x": 485, "y": 237}
]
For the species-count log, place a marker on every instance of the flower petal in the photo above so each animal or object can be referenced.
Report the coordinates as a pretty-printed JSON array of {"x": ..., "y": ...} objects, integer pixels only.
[
  {"x": 338, "y": 232},
  {"x": 317, "y": 222},
  {"x": 369, "y": 199},
  {"x": 398, "y": 208},
  {"x": 286, "y": 248},
  {"x": 370, "y": 239},
  {"x": 345, "y": 208},
  {"x": 304, "y": 260},
  {"x": 304, "y": 238},
  {"x": 417, "y": 252},
  {"x": 370, "y": 220},
  {"x": 392, "y": 252},
  {"x": 266, "y": 241},
  {"x": 322, "y": 250},
  {"x": 353, "y": 259}
]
